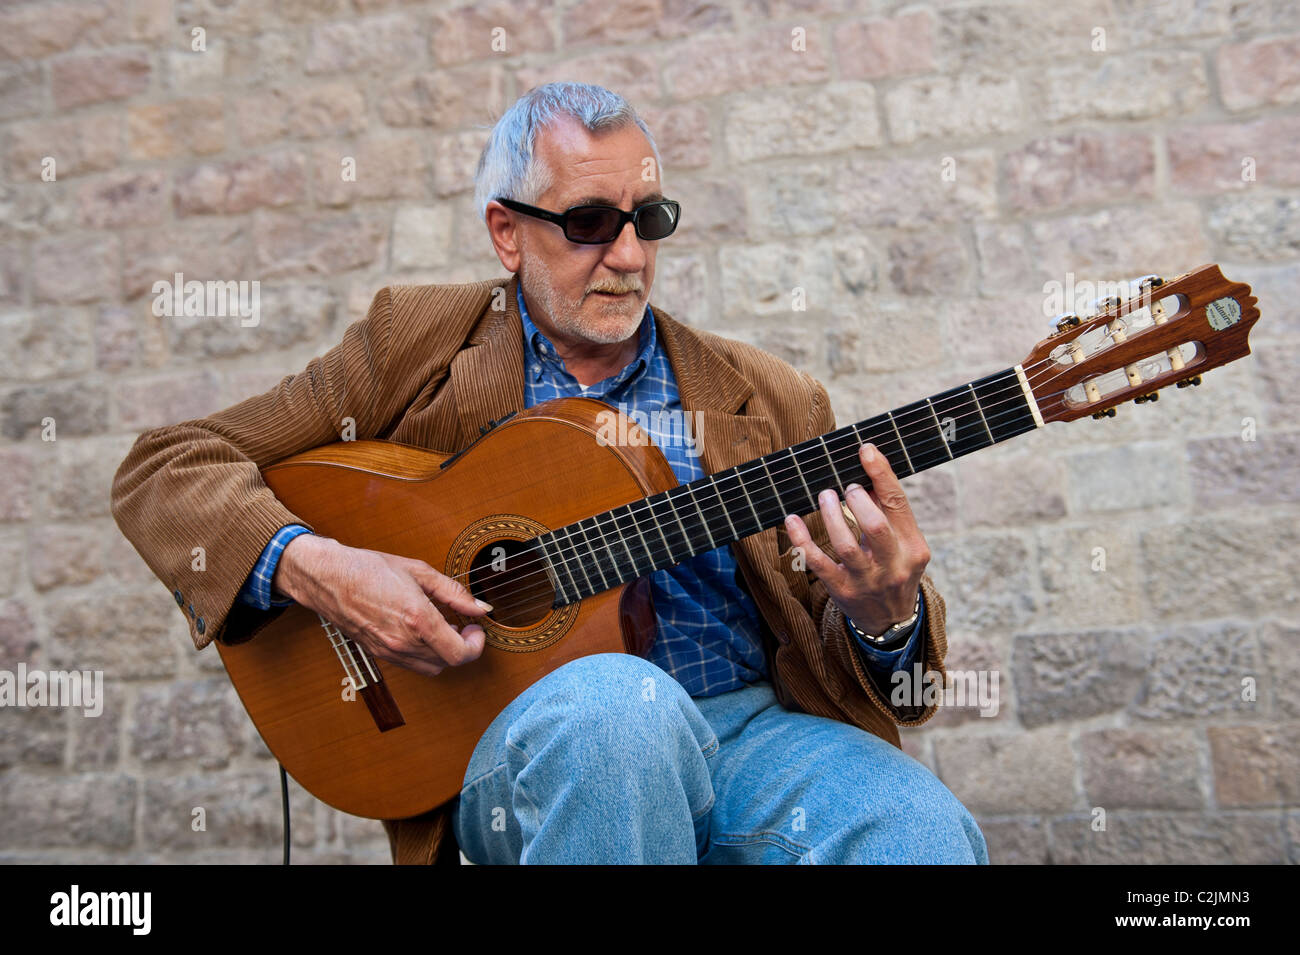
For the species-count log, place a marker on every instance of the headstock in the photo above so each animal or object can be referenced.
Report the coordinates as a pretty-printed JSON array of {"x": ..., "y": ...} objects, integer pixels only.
[{"x": 1160, "y": 333}]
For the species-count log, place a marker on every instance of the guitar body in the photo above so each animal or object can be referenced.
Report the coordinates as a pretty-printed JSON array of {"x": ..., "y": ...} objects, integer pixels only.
[{"x": 400, "y": 746}]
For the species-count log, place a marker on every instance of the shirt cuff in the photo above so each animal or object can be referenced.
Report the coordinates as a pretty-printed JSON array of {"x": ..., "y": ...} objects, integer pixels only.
[
  {"x": 257, "y": 589},
  {"x": 889, "y": 661}
]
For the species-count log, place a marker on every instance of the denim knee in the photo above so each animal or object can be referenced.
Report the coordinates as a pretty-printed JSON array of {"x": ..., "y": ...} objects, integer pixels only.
[
  {"x": 936, "y": 825},
  {"x": 609, "y": 701}
]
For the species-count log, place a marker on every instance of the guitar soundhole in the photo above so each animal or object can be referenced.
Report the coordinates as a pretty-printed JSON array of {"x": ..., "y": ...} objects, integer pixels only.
[{"x": 511, "y": 576}]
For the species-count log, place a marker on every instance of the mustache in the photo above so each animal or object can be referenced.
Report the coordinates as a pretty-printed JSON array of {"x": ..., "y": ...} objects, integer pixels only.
[{"x": 614, "y": 289}]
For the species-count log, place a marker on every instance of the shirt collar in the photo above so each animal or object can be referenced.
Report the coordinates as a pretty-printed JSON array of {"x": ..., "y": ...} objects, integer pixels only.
[{"x": 539, "y": 350}]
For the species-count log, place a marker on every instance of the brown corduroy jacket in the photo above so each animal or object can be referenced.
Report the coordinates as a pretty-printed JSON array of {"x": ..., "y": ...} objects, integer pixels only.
[{"x": 428, "y": 366}]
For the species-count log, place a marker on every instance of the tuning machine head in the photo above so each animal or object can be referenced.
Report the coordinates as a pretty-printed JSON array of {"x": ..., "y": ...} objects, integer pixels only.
[
  {"x": 1191, "y": 382},
  {"x": 1064, "y": 322},
  {"x": 1108, "y": 413}
]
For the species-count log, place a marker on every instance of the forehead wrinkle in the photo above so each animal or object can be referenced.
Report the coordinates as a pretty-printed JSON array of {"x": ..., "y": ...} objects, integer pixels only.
[
  {"x": 594, "y": 199},
  {"x": 592, "y": 192}
]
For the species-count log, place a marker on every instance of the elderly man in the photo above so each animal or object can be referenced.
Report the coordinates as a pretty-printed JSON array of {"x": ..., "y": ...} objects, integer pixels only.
[{"x": 770, "y": 738}]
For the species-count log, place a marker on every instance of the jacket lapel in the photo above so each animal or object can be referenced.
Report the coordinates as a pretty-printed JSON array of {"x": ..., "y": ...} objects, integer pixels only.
[
  {"x": 713, "y": 392},
  {"x": 488, "y": 375}
]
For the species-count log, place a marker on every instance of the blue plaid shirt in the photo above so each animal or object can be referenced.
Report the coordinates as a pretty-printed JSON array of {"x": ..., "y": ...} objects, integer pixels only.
[{"x": 708, "y": 636}]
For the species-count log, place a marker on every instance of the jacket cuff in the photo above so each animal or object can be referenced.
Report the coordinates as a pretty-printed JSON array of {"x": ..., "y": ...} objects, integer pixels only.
[
  {"x": 221, "y": 615},
  {"x": 898, "y": 657},
  {"x": 934, "y": 647}
]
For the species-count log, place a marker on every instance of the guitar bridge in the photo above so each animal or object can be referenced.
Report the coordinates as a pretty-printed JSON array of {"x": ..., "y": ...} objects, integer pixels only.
[{"x": 367, "y": 680}]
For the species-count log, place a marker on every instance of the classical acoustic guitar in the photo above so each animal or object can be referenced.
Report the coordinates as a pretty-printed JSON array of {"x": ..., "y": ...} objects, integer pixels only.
[{"x": 563, "y": 553}]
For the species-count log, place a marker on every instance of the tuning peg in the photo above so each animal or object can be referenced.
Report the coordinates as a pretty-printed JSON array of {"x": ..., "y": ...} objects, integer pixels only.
[
  {"x": 1149, "y": 281},
  {"x": 1108, "y": 413},
  {"x": 1063, "y": 321},
  {"x": 1100, "y": 305},
  {"x": 1153, "y": 396},
  {"x": 1190, "y": 382}
]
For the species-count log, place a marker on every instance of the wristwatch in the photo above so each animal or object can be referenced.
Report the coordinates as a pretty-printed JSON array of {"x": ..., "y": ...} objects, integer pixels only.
[{"x": 893, "y": 633}]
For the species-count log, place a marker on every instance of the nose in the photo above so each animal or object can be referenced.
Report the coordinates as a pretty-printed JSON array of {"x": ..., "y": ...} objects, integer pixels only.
[{"x": 625, "y": 253}]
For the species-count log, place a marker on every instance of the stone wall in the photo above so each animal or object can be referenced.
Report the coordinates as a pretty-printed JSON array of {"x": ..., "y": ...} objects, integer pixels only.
[{"x": 919, "y": 171}]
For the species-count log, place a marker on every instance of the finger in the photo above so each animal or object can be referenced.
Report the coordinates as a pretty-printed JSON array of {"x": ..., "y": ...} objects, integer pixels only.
[
  {"x": 846, "y": 542},
  {"x": 446, "y": 591},
  {"x": 814, "y": 556},
  {"x": 456, "y": 647},
  {"x": 419, "y": 665},
  {"x": 411, "y": 654},
  {"x": 885, "y": 489},
  {"x": 880, "y": 537}
]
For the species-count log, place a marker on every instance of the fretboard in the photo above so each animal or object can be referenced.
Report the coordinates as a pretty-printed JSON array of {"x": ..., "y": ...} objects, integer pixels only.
[{"x": 668, "y": 528}]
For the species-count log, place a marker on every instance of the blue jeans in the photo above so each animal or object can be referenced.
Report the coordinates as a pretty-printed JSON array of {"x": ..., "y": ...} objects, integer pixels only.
[{"x": 608, "y": 760}]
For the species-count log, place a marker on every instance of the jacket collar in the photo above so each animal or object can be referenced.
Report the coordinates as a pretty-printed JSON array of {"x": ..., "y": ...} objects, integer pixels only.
[{"x": 705, "y": 381}]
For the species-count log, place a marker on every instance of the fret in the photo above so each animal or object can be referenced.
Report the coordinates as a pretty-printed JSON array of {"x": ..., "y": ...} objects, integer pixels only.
[
  {"x": 749, "y": 500},
  {"x": 831, "y": 461},
  {"x": 812, "y": 498},
  {"x": 963, "y": 425},
  {"x": 776, "y": 493},
  {"x": 911, "y": 468},
  {"x": 564, "y": 555},
  {"x": 1006, "y": 407},
  {"x": 978, "y": 407},
  {"x": 843, "y": 445},
  {"x": 939, "y": 426},
  {"x": 818, "y": 469},
  {"x": 617, "y": 533},
  {"x": 602, "y": 555},
  {"x": 645, "y": 548},
  {"x": 679, "y": 546},
  {"x": 883, "y": 438},
  {"x": 666, "y": 560},
  {"x": 569, "y": 553},
  {"x": 577, "y": 552},
  {"x": 722, "y": 507},
  {"x": 922, "y": 437},
  {"x": 683, "y": 504},
  {"x": 562, "y": 598},
  {"x": 704, "y": 521}
]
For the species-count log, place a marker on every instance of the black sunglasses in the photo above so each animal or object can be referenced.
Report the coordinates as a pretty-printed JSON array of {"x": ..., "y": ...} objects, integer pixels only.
[{"x": 596, "y": 225}]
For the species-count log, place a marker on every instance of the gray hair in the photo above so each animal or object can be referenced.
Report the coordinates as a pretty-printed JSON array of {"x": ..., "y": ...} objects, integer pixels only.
[{"x": 508, "y": 165}]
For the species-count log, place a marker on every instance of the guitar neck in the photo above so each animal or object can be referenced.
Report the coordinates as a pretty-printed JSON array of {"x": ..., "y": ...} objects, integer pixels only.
[{"x": 630, "y": 541}]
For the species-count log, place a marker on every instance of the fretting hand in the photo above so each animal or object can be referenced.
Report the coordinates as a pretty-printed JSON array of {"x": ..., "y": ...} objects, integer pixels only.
[{"x": 876, "y": 583}]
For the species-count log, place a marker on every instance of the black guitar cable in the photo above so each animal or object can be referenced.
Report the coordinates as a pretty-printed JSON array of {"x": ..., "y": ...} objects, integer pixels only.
[{"x": 284, "y": 799}]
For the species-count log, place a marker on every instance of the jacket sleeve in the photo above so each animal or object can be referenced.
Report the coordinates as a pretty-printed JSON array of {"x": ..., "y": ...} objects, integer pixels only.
[
  {"x": 190, "y": 496},
  {"x": 838, "y": 644}
]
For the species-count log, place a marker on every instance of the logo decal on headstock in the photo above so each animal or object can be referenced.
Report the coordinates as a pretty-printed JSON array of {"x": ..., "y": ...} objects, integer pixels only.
[{"x": 1222, "y": 313}]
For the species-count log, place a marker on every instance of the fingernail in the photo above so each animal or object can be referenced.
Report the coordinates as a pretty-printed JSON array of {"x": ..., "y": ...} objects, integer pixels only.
[
  {"x": 482, "y": 604},
  {"x": 871, "y": 452},
  {"x": 853, "y": 487}
]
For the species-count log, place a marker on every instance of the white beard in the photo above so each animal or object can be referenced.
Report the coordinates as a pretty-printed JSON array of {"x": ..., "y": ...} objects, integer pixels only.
[{"x": 619, "y": 320}]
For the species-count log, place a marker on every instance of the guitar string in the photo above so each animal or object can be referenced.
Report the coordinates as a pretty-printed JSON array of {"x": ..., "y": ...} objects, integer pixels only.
[
  {"x": 572, "y": 552},
  {"x": 1032, "y": 372},
  {"x": 583, "y": 567}
]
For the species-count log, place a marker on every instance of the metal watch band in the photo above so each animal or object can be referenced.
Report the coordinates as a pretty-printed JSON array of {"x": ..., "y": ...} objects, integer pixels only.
[{"x": 891, "y": 633}]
